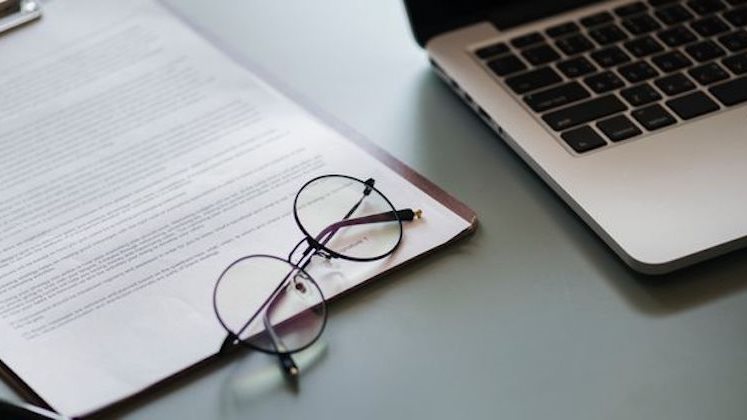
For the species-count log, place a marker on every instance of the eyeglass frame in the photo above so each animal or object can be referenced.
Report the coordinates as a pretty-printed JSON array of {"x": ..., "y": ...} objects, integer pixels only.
[{"x": 316, "y": 246}]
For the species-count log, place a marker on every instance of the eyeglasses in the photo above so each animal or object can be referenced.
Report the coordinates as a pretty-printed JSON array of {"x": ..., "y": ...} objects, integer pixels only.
[{"x": 271, "y": 304}]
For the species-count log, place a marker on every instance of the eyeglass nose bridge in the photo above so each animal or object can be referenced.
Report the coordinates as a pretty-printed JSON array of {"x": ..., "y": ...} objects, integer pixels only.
[{"x": 313, "y": 248}]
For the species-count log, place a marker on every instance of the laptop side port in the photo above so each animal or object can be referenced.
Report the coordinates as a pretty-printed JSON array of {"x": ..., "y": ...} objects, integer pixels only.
[{"x": 465, "y": 97}]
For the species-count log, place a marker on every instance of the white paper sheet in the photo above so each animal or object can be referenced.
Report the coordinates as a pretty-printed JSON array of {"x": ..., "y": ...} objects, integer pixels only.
[{"x": 136, "y": 162}]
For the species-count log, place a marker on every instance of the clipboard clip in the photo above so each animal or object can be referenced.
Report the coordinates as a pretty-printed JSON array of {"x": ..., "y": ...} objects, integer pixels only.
[{"x": 14, "y": 13}]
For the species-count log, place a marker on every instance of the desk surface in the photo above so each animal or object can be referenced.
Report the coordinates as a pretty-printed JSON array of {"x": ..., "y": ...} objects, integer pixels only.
[{"x": 533, "y": 317}]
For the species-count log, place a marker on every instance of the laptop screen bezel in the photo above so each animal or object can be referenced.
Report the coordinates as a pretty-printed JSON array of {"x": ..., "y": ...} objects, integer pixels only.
[{"x": 429, "y": 18}]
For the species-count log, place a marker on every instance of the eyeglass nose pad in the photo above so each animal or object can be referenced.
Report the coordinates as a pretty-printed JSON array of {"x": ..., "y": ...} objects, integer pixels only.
[{"x": 301, "y": 285}]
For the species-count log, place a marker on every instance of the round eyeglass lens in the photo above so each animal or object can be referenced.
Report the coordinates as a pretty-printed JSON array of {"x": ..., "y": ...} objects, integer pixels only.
[
  {"x": 270, "y": 304},
  {"x": 348, "y": 217}
]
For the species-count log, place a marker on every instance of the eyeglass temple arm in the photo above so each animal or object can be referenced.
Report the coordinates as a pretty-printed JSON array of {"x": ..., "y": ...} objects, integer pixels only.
[
  {"x": 405, "y": 215},
  {"x": 286, "y": 360}
]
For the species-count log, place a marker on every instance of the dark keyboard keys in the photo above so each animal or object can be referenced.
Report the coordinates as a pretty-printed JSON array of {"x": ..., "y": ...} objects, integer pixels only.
[
  {"x": 618, "y": 128},
  {"x": 583, "y": 139},
  {"x": 705, "y": 7},
  {"x": 679, "y": 35},
  {"x": 674, "y": 84},
  {"x": 653, "y": 117},
  {"x": 562, "y": 29},
  {"x": 640, "y": 24},
  {"x": 527, "y": 40},
  {"x": 709, "y": 26},
  {"x": 637, "y": 72},
  {"x": 608, "y": 34},
  {"x": 640, "y": 95},
  {"x": 503, "y": 66},
  {"x": 541, "y": 54},
  {"x": 735, "y": 41},
  {"x": 708, "y": 73},
  {"x": 671, "y": 61},
  {"x": 737, "y": 64},
  {"x": 596, "y": 19},
  {"x": 604, "y": 82},
  {"x": 643, "y": 46},
  {"x": 737, "y": 17},
  {"x": 576, "y": 67},
  {"x": 492, "y": 50},
  {"x": 673, "y": 15},
  {"x": 548, "y": 99},
  {"x": 532, "y": 80},
  {"x": 674, "y": 59},
  {"x": 732, "y": 92},
  {"x": 692, "y": 105},
  {"x": 704, "y": 51},
  {"x": 584, "y": 112},
  {"x": 610, "y": 57},
  {"x": 574, "y": 44},
  {"x": 630, "y": 9}
]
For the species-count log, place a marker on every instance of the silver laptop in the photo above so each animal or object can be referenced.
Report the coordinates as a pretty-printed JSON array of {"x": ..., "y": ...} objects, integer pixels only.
[{"x": 633, "y": 112}]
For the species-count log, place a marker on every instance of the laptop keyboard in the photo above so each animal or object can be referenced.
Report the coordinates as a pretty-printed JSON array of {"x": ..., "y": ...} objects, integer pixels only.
[{"x": 615, "y": 76}]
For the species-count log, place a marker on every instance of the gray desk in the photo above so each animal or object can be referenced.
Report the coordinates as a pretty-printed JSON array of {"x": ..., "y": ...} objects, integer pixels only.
[{"x": 531, "y": 318}]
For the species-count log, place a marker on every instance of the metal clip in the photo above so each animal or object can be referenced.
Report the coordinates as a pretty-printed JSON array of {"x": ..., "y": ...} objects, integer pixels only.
[{"x": 14, "y": 13}]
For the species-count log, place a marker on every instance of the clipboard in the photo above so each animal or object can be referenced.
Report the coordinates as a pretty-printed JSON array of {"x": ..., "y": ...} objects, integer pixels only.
[
  {"x": 190, "y": 372},
  {"x": 15, "y": 13}
]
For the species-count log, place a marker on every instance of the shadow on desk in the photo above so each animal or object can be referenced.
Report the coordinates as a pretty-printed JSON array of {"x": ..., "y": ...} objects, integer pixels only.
[{"x": 653, "y": 295}]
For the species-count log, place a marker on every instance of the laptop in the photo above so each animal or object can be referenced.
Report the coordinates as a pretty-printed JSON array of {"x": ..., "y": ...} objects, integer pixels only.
[{"x": 633, "y": 112}]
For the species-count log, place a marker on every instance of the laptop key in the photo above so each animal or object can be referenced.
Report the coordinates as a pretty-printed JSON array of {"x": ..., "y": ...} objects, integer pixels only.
[
  {"x": 679, "y": 35},
  {"x": 637, "y": 72},
  {"x": 735, "y": 41},
  {"x": 674, "y": 84},
  {"x": 492, "y": 50},
  {"x": 709, "y": 26},
  {"x": 540, "y": 54},
  {"x": 737, "y": 63},
  {"x": 608, "y": 34},
  {"x": 574, "y": 44},
  {"x": 704, "y": 51},
  {"x": 548, "y": 99},
  {"x": 610, "y": 57},
  {"x": 705, "y": 7},
  {"x": 673, "y": 15},
  {"x": 562, "y": 29},
  {"x": 692, "y": 105},
  {"x": 708, "y": 73},
  {"x": 584, "y": 112},
  {"x": 732, "y": 92},
  {"x": 604, "y": 82},
  {"x": 643, "y": 46},
  {"x": 640, "y": 24},
  {"x": 509, "y": 64},
  {"x": 527, "y": 40},
  {"x": 532, "y": 80},
  {"x": 653, "y": 117},
  {"x": 640, "y": 95},
  {"x": 659, "y": 3},
  {"x": 618, "y": 128},
  {"x": 576, "y": 67},
  {"x": 671, "y": 61},
  {"x": 737, "y": 17},
  {"x": 583, "y": 139},
  {"x": 596, "y": 19},
  {"x": 630, "y": 9}
]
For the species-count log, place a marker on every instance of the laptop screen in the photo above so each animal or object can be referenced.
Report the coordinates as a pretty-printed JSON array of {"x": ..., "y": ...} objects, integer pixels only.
[{"x": 432, "y": 17}]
